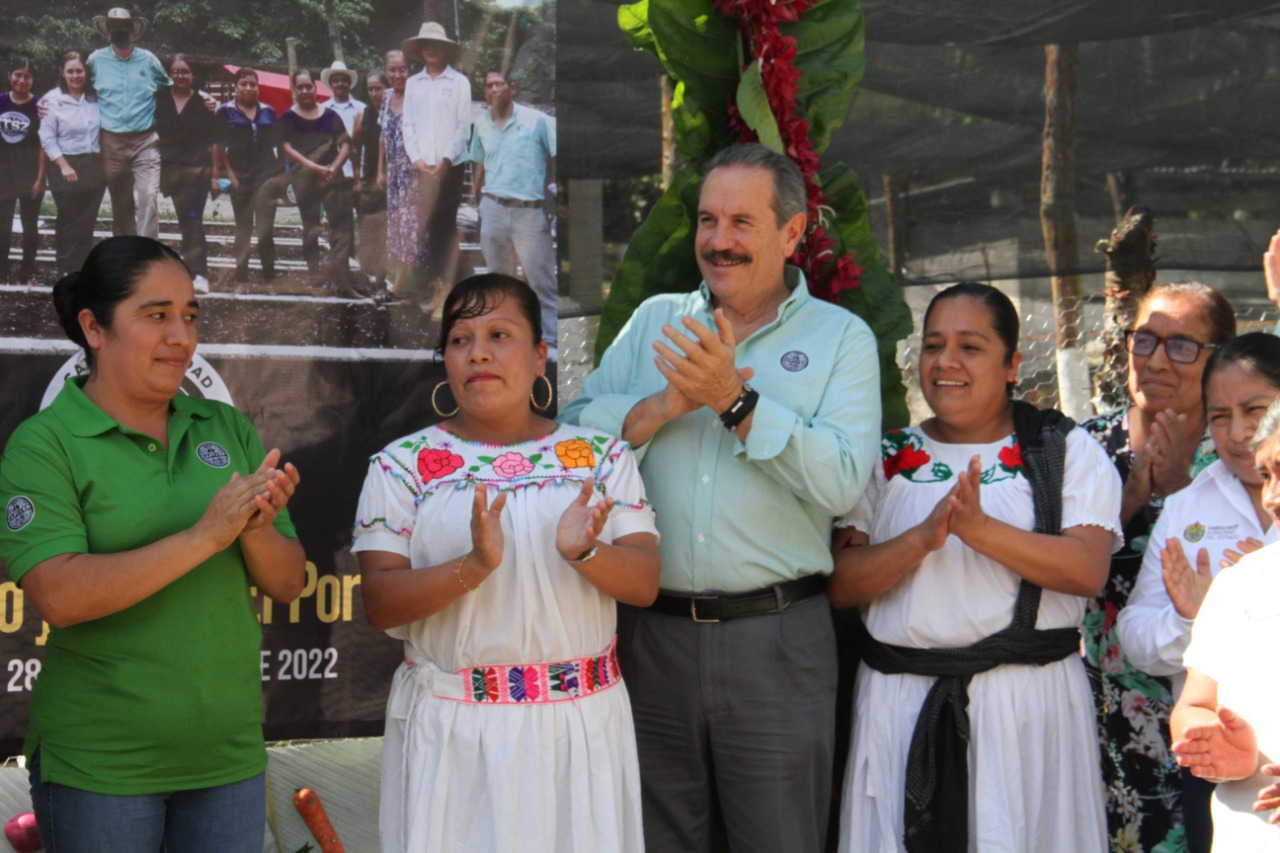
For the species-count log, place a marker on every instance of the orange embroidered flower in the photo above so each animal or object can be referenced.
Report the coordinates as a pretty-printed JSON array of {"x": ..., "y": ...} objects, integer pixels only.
[{"x": 575, "y": 453}]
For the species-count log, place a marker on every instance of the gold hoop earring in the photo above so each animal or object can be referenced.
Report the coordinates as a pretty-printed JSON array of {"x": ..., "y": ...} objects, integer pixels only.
[
  {"x": 436, "y": 406},
  {"x": 551, "y": 393}
]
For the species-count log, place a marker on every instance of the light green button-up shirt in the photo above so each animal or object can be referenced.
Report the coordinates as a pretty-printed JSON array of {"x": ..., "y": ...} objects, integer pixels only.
[
  {"x": 127, "y": 88},
  {"x": 738, "y": 516}
]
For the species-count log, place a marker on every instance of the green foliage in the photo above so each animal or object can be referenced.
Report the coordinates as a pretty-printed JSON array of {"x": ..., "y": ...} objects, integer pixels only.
[
  {"x": 753, "y": 105},
  {"x": 702, "y": 52},
  {"x": 660, "y": 257},
  {"x": 830, "y": 53},
  {"x": 879, "y": 299},
  {"x": 699, "y": 49}
]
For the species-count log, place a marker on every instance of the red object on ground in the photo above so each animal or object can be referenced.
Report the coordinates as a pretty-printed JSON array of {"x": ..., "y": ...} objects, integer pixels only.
[
  {"x": 22, "y": 833},
  {"x": 307, "y": 802},
  {"x": 274, "y": 89}
]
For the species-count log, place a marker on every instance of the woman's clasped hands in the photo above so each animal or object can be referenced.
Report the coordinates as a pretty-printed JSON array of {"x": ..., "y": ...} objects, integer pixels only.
[{"x": 248, "y": 503}]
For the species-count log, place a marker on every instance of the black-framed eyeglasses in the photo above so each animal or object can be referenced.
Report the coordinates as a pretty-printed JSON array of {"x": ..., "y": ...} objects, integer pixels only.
[{"x": 1179, "y": 349}]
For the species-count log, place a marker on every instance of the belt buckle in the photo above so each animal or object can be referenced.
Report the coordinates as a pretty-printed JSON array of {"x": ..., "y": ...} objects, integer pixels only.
[{"x": 693, "y": 608}]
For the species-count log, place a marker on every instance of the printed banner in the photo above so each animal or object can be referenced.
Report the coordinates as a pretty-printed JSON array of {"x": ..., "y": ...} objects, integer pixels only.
[{"x": 323, "y": 308}]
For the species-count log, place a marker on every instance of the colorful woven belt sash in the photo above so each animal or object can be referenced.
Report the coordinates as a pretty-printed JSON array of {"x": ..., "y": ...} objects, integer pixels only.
[{"x": 530, "y": 683}]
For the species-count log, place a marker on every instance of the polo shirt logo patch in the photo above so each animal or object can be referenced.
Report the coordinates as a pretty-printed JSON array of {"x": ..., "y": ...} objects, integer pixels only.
[
  {"x": 212, "y": 454},
  {"x": 19, "y": 512},
  {"x": 1194, "y": 532},
  {"x": 795, "y": 361}
]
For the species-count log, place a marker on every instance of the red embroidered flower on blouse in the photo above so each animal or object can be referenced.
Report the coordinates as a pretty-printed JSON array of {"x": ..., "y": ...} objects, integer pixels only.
[
  {"x": 905, "y": 460},
  {"x": 1011, "y": 457},
  {"x": 434, "y": 463}
]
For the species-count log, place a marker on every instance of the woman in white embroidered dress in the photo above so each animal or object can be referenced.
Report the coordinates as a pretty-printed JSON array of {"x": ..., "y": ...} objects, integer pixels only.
[
  {"x": 495, "y": 544},
  {"x": 1226, "y": 725},
  {"x": 935, "y": 553}
]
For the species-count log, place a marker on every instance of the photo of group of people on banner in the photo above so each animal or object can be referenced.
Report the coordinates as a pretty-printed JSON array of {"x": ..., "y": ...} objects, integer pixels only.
[
  {"x": 324, "y": 208},
  {"x": 432, "y": 174}
]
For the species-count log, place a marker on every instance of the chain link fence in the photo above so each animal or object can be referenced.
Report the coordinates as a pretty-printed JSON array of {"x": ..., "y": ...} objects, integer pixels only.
[{"x": 1038, "y": 379}]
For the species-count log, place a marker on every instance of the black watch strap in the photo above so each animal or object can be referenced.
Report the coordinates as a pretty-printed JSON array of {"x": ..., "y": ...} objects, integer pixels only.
[{"x": 741, "y": 407}]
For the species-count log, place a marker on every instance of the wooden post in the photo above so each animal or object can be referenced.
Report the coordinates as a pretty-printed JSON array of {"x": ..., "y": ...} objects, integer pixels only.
[
  {"x": 335, "y": 32},
  {"x": 895, "y": 213},
  {"x": 1130, "y": 271},
  {"x": 670, "y": 154},
  {"x": 1058, "y": 224},
  {"x": 291, "y": 55}
]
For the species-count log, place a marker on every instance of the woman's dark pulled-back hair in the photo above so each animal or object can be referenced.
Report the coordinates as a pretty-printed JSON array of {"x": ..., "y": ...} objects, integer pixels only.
[
  {"x": 480, "y": 294},
  {"x": 1217, "y": 309},
  {"x": 1256, "y": 352},
  {"x": 109, "y": 276},
  {"x": 1004, "y": 317}
]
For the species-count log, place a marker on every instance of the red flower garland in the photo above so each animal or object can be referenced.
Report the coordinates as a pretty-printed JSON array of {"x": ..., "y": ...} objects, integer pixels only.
[{"x": 760, "y": 20}]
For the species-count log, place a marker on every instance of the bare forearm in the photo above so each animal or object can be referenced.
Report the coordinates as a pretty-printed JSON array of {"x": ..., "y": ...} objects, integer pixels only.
[
  {"x": 1066, "y": 563},
  {"x": 863, "y": 573},
  {"x": 1187, "y": 714},
  {"x": 398, "y": 597},
  {"x": 627, "y": 573},
  {"x": 275, "y": 562},
  {"x": 647, "y": 417},
  {"x": 73, "y": 588}
]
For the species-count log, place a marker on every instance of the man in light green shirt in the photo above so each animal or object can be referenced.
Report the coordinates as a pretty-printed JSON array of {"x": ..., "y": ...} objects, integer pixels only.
[
  {"x": 755, "y": 412},
  {"x": 127, "y": 78}
]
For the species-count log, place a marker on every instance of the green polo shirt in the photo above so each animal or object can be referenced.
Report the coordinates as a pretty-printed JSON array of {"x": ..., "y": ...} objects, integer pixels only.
[{"x": 167, "y": 694}]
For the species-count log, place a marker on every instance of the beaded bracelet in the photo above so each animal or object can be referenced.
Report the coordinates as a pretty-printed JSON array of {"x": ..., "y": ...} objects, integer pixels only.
[{"x": 457, "y": 573}]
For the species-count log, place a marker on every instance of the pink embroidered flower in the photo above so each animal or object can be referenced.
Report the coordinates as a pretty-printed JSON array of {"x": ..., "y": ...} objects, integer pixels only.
[
  {"x": 1112, "y": 659},
  {"x": 1133, "y": 704},
  {"x": 511, "y": 464},
  {"x": 433, "y": 463}
]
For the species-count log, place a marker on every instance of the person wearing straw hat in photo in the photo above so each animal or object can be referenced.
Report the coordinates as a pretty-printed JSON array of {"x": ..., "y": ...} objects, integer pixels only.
[
  {"x": 437, "y": 132},
  {"x": 341, "y": 80},
  {"x": 127, "y": 78}
]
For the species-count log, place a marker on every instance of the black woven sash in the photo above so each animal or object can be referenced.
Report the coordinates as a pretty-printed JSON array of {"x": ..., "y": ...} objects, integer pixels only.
[{"x": 936, "y": 813}]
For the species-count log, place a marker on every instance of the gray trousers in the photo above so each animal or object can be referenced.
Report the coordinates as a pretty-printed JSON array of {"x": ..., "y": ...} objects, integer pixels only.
[{"x": 736, "y": 719}]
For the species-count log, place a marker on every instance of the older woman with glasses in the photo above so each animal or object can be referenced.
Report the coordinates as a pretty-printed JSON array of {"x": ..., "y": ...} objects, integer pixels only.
[{"x": 1158, "y": 443}]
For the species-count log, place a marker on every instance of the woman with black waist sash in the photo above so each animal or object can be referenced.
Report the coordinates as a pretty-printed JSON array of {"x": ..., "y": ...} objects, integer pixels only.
[{"x": 972, "y": 553}]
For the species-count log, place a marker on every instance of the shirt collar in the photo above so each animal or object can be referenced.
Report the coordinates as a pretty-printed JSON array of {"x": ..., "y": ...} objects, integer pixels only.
[
  {"x": 82, "y": 417},
  {"x": 795, "y": 281}
]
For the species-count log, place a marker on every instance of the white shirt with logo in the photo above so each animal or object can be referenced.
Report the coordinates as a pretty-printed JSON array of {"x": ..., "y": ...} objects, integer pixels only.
[{"x": 1213, "y": 513}]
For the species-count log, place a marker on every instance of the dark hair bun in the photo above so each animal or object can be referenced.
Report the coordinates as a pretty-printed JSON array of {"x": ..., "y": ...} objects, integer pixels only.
[{"x": 68, "y": 301}]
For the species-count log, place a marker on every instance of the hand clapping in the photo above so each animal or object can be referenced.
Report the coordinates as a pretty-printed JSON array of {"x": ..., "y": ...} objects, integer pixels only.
[
  {"x": 1222, "y": 750},
  {"x": 279, "y": 486},
  {"x": 702, "y": 368},
  {"x": 487, "y": 540},
  {"x": 1186, "y": 588},
  {"x": 581, "y": 523}
]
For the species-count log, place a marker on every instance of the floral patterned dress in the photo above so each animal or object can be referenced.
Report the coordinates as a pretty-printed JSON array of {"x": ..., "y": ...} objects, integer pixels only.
[
  {"x": 406, "y": 238},
  {"x": 501, "y": 732},
  {"x": 1034, "y": 782},
  {"x": 1142, "y": 780}
]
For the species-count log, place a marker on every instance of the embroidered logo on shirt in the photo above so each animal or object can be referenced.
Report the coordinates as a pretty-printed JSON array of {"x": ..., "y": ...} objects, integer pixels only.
[
  {"x": 19, "y": 512},
  {"x": 212, "y": 454},
  {"x": 794, "y": 361},
  {"x": 1194, "y": 532}
]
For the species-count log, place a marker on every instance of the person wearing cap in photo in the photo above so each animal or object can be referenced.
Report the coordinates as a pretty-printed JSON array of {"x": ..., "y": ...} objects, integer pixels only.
[
  {"x": 514, "y": 149},
  {"x": 127, "y": 78},
  {"x": 437, "y": 130}
]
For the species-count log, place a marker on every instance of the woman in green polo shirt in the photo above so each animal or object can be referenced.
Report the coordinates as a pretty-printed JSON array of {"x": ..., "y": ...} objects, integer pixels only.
[{"x": 137, "y": 518}]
